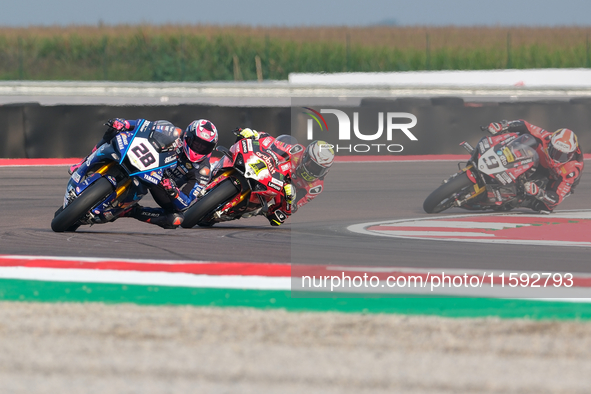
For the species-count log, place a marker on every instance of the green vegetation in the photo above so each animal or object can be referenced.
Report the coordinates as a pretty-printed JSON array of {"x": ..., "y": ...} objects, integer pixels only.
[{"x": 144, "y": 53}]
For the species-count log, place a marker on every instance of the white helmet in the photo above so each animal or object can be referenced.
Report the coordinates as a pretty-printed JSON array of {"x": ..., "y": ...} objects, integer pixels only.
[
  {"x": 316, "y": 162},
  {"x": 562, "y": 146}
]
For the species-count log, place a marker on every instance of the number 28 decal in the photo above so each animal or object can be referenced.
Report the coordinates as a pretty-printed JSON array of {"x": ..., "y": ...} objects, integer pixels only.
[{"x": 144, "y": 154}]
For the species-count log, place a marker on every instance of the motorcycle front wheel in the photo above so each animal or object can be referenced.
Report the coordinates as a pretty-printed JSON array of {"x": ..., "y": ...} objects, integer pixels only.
[
  {"x": 208, "y": 203},
  {"x": 67, "y": 218},
  {"x": 442, "y": 198}
]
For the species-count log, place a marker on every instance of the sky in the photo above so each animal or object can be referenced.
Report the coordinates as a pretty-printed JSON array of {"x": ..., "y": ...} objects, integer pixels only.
[{"x": 22, "y": 13}]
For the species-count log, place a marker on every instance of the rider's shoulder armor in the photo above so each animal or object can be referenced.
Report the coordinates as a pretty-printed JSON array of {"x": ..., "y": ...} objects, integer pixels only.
[
  {"x": 315, "y": 187},
  {"x": 571, "y": 169}
]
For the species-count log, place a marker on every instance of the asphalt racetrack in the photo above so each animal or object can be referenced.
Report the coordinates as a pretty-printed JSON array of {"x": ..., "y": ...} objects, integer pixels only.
[
  {"x": 317, "y": 234},
  {"x": 125, "y": 348}
]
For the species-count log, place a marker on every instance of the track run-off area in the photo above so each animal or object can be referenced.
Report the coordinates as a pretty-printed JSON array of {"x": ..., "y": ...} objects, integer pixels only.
[
  {"x": 129, "y": 307},
  {"x": 369, "y": 220}
]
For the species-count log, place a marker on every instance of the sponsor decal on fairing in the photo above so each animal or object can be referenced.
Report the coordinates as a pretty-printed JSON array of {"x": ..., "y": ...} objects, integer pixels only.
[
  {"x": 277, "y": 182},
  {"x": 268, "y": 161},
  {"x": 266, "y": 142},
  {"x": 285, "y": 167},
  {"x": 501, "y": 179},
  {"x": 150, "y": 178},
  {"x": 273, "y": 185},
  {"x": 120, "y": 143},
  {"x": 156, "y": 174},
  {"x": 244, "y": 146}
]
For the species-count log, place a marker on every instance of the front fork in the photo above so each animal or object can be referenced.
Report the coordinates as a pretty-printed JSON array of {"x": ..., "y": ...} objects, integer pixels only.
[
  {"x": 240, "y": 197},
  {"x": 120, "y": 189},
  {"x": 477, "y": 190}
]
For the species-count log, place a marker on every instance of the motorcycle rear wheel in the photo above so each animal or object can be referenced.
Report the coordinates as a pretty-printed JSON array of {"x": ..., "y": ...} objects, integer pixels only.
[
  {"x": 198, "y": 212},
  {"x": 442, "y": 197},
  {"x": 67, "y": 219}
]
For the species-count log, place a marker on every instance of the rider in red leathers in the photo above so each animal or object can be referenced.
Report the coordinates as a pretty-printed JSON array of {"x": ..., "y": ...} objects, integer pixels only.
[
  {"x": 308, "y": 165},
  {"x": 561, "y": 162}
]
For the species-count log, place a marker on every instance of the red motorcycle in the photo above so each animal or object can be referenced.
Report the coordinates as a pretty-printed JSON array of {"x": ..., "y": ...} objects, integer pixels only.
[
  {"x": 249, "y": 176},
  {"x": 493, "y": 178}
]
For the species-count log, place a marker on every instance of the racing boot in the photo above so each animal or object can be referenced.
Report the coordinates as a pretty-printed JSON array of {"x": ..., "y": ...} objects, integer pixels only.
[
  {"x": 155, "y": 216},
  {"x": 536, "y": 205}
]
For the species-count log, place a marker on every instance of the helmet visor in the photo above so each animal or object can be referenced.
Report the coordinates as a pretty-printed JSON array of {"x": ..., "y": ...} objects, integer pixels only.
[
  {"x": 558, "y": 156},
  {"x": 314, "y": 169},
  {"x": 201, "y": 147}
]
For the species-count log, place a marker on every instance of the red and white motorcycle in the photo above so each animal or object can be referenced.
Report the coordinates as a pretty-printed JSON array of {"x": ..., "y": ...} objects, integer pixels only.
[
  {"x": 493, "y": 178},
  {"x": 247, "y": 178}
]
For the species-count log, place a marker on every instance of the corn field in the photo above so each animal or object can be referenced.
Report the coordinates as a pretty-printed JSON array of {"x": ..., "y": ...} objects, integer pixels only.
[{"x": 208, "y": 53}]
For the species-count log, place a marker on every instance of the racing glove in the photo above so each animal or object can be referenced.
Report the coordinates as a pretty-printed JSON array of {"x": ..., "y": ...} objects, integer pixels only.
[
  {"x": 115, "y": 126},
  {"x": 118, "y": 124},
  {"x": 249, "y": 133},
  {"x": 290, "y": 193},
  {"x": 497, "y": 127},
  {"x": 277, "y": 217},
  {"x": 533, "y": 190},
  {"x": 170, "y": 188}
]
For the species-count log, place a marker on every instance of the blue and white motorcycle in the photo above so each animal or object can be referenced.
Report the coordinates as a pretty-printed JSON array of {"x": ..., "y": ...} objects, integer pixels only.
[{"x": 115, "y": 177}]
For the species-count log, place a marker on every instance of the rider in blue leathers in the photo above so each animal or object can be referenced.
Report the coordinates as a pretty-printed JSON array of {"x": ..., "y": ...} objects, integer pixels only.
[{"x": 181, "y": 184}]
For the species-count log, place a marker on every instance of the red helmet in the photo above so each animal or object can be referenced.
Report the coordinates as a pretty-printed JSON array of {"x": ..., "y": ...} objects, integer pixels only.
[
  {"x": 562, "y": 146},
  {"x": 199, "y": 139}
]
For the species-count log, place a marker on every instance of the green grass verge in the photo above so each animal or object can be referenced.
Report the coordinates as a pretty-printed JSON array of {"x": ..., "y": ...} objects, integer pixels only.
[{"x": 40, "y": 291}]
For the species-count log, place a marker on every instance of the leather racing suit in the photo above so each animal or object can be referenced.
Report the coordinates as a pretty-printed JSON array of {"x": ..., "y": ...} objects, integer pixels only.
[
  {"x": 562, "y": 179},
  {"x": 305, "y": 191}
]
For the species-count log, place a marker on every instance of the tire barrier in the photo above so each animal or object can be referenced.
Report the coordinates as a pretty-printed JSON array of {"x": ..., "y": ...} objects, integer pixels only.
[
  {"x": 30, "y": 130},
  {"x": 34, "y": 131}
]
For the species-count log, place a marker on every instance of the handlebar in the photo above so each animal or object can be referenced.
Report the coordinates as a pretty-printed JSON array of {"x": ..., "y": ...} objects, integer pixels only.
[{"x": 225, "y": 151}]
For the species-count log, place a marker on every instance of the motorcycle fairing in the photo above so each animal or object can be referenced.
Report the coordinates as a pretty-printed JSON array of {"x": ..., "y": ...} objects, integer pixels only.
[
  {"x": 135, "y": 187},
  {"x": 257, "y": 173},
  {"x": 137, "y": 152},
  {"x": 506, "y": 157}
]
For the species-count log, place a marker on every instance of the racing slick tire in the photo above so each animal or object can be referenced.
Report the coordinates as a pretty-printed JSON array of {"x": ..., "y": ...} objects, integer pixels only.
[
  {"x": 67, "y": 219},
  {"x": 442, "y": 197},
  {"x": 207, "y": 204},
  {"x": 71, "y": 228}
]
